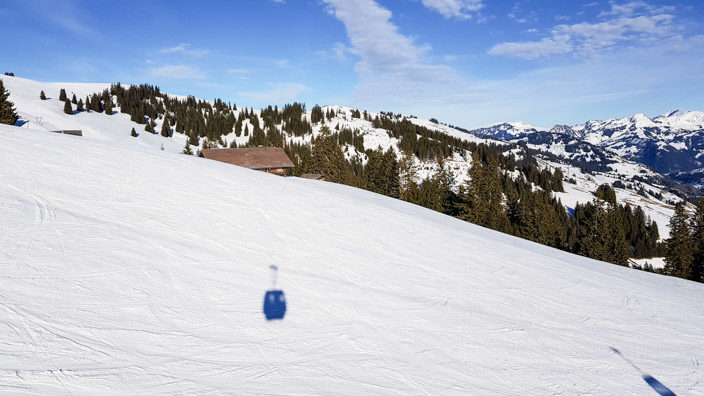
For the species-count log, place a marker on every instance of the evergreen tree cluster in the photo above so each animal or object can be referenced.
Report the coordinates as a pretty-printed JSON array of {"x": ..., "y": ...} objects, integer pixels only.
[
  {"x": 97, "y": 102},
  {"x": 684, "y": 256},
  {"x": 8, "y": 115}
]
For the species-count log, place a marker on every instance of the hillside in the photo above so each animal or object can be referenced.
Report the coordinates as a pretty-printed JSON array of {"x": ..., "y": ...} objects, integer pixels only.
[
  {"x": 136, "y": 270},
  {"x": 640, "y": 185}
]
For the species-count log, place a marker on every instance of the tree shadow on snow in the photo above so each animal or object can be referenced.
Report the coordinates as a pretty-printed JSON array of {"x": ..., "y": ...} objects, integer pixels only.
[
  {"x": 20, "y": 122},
  {"x": 657, "y": 386}
]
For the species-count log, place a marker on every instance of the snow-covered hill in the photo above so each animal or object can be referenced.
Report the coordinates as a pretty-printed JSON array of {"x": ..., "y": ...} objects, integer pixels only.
[
  {"x": 131, "y": 270},
  {"x": 639, "y": 185}
]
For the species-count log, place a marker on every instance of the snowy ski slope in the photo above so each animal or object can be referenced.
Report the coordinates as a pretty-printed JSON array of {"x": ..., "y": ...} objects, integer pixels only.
[{"x": 130, "y": 270}]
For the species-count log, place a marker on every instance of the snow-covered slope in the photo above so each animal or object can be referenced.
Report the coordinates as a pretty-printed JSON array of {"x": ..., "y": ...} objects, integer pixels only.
[{"x": 131, "y": 270}]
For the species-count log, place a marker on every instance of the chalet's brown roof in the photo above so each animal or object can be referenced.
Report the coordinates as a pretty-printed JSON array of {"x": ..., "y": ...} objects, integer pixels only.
[
  {"x": 253, "y": 158},
  {"x": 314, "y": 176}
]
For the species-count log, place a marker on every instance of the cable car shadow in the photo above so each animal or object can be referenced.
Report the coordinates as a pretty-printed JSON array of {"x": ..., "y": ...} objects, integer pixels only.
[
  {"x": 657, "y": 386},
  {"x": 274, "y": 300},
  {"x": 274, "y": 305}
]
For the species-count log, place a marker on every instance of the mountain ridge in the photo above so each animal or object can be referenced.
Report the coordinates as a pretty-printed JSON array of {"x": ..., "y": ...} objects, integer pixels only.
[{"x": 671, "y": 143}]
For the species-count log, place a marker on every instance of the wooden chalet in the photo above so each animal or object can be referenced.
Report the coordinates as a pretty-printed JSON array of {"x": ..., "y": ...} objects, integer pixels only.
[{"x": 265, "y": 159}]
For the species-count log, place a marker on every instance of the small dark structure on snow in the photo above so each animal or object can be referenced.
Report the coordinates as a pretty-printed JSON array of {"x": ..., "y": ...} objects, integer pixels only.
[
  {"x": 265, "y": 159},
  {"x": 313, "y": 176},
  {"x": 74, "y": 132}
]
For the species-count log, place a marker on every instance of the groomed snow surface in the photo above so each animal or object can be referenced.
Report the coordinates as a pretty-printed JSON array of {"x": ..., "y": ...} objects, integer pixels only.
[{"x": 126, "y": 269}]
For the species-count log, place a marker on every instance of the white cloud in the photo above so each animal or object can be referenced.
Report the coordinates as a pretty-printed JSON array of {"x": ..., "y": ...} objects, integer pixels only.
[
  {"x": 620, "y": 25},
  {"x": 392, "y": 67},
  {"x": 177, "y": 72},
  {"x": 276, "y": 93},
  {"x": 374, "y": 38},
  {"x": 338, "y": 51},
  {"x": 238, "y": 71},
  {"x": 534, "y": 49},
  {"x": 184, "y": 49},
  {"x": 460, "y": 9},
  {"x": 282, "y": 63}
]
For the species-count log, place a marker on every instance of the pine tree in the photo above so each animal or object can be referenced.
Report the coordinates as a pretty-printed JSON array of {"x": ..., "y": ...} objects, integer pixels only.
[
  {"x": 391, "y": 176},
  {"x": 133, "y": 133},
  {"x": 679, "y": 247},
  {"x": 193, "y": 140},
  {"x": 482, "y": 199},
  {"x": 601, "y": 235},
  {"x": 407, "y": 177},
  {"x": 79, "y": 106},
  {"x": 328, "y": 158},
  {"x": 42, "y": 95},
  {"x": 150, "y": 127},
  {"x": 7, "y": 110},
  {"x": 67, "y": 107},
  {"x": 557, "y": 181},
  {"x": 62, "y": 94},
  {"x": 74, "y": 100},
  {"x": 108, "y": 107},
  {"x": 165, "y": 129},
  {"x": 606, "y": 193},
  {"x": 187, "y": 149},
  {"x": 697, "y": 226},
  {"x": 316, "y": 114}
]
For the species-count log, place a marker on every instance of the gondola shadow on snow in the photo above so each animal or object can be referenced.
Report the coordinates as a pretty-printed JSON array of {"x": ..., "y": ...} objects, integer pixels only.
[
  {"x": 657, "y": 386},
  {"x": 274, "y": 300}
]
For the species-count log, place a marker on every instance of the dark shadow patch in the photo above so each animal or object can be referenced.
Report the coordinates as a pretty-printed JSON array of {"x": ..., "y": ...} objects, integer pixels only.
[{"x": 657, "y": 386}]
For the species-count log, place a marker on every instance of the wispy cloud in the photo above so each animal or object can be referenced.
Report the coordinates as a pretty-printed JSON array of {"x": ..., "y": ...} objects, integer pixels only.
[
  {"x": 238, "y": 71},
  {"x": 557, "y": 44},
  {"x": 67, "y": 15},
  {"x": 275, "y": 93},
  {"x": 391, "y": 66},
  {"x": 634, "y": 23},
  {"x": 177, "y": 72},
  {"x": 460, "y": 9},
  {"x": 184, "y": 49},
  {"x": 282, "y": 63},
  {"x": 374, "y": 38}
]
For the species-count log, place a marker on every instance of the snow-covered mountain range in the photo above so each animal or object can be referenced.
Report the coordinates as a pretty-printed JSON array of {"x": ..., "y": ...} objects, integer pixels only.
[
  {"x": 127, "y": 269},
  {"x": 672, "y": 143}
]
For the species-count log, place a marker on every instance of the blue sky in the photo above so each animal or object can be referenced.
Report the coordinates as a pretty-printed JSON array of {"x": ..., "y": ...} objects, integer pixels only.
[{"x": 466, "y": 62}]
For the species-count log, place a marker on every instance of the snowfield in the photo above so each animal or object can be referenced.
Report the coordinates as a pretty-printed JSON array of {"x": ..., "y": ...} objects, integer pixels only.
[{"x": 131, "y": 270}]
